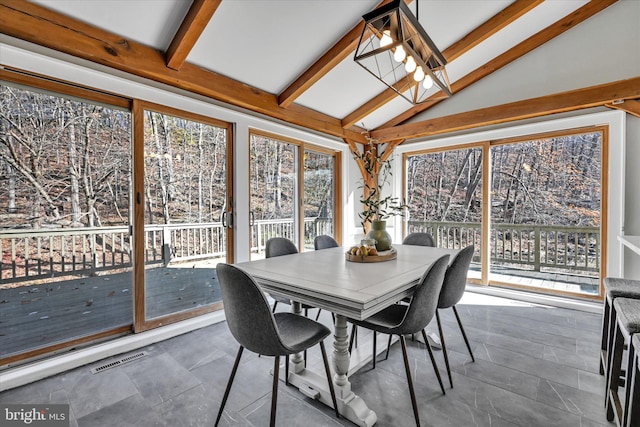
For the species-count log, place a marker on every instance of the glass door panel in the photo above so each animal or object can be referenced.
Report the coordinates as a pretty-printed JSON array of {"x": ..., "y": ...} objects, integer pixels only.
[
  {"x": 274, "y": 191},
  {"x": 545, "y": 213},
  {"x": 319, "y": 197},
  {"x": 66, "y": 272},
  {"x": 444, "y": 195},
  {"x": 186, "y": 214}
]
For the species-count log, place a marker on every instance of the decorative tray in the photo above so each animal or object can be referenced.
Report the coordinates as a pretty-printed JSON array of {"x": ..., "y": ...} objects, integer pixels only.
[{"x": 382, "y": 256}]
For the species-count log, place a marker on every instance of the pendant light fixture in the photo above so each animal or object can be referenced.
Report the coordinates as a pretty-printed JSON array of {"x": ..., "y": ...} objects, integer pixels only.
[{"x": 397, "y": 50}]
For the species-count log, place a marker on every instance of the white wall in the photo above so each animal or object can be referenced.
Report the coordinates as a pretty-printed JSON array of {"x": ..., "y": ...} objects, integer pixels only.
[{"x": 632, "y": 195}]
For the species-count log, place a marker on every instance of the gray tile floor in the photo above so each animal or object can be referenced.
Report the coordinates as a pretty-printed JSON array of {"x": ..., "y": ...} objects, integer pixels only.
[{"x": 535, "y": 366}]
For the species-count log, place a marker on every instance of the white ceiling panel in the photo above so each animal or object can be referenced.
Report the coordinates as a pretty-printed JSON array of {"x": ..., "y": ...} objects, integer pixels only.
[
  {"x": 267, "y": 44},
  {"x": 150, "y": 22}
]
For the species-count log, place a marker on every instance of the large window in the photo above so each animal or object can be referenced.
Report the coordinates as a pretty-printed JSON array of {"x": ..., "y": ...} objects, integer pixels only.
[
  {"x": 444, "y": 195},
  {"x": 540, "y": 227},
  {"x": 65, "y": 169},
  {"x": 284, "y": 175}
]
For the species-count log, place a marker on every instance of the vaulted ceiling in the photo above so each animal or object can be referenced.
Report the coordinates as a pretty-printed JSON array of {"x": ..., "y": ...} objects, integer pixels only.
[{"x": 293, "y": 60}]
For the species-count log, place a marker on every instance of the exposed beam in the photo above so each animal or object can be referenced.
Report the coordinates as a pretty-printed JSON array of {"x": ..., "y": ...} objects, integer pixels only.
[
  {"x": 190, "y": 30},
  {"x": 35, "y": 24},
  {"x": 338, "y": 52},
  {"x": 533, "y": 42},
  {"x": 593, "y": 96},
  {"x": 475, "y": 37},
  {"x": 631, "y": 106}
]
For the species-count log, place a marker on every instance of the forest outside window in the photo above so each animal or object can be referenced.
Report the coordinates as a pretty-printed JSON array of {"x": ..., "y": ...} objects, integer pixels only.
[
  {"x": 66, "y": 273},
  {"x": 543, "y": 215}
]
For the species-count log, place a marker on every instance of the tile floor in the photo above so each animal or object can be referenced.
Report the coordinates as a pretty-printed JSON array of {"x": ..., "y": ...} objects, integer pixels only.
[{"x": 535, "y": 366}]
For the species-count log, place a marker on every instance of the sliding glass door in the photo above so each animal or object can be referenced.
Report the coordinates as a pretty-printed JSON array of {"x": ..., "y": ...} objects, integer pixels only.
[
  {"x": 187, "y": 215},
  {"x": 65, "y": 166}
]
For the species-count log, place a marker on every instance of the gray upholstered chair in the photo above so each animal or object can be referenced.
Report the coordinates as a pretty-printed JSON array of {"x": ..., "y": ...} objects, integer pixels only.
[
  {"x": 257, "y": 329},
  {"x": 324, "y": 242},
  {"x": 414, "y": 239},
  {"x": 455, "y": 282},
  {"x": 279, "y": 246},
  {"x": 419, "y": 239},
  {"x": 401, "y": 320}
]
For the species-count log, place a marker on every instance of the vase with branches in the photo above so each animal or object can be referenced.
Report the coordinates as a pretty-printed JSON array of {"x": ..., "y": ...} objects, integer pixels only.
[{"x": 375, "y": 167}]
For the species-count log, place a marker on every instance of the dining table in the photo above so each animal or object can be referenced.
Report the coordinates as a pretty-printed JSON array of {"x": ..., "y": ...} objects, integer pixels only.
[{"x": 327, "y": 280}]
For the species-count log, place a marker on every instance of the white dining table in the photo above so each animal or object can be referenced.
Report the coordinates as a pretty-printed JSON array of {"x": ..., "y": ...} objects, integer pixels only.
[{"x": 326, "y": 280}]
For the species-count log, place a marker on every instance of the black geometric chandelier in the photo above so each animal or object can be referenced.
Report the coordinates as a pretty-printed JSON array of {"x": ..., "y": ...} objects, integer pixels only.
[{"x": 397, "y": 50}]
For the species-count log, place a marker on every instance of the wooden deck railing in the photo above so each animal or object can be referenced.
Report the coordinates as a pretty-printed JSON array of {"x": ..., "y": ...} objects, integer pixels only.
[
  {"x": 38, "y": 254},
  {"x": 574, "y": 249},
  {"x": 46, "y": 253}
]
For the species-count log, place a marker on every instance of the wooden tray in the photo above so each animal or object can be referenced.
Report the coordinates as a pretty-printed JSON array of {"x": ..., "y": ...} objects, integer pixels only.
[{"x": 382, "y": 256}]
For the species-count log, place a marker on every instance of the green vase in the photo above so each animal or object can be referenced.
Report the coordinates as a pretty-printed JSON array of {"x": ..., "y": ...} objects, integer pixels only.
[{"x": 379, "y": 234}]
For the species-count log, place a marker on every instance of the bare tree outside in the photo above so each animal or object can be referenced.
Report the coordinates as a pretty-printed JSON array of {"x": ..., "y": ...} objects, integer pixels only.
[{"x": 545, "y": 202}]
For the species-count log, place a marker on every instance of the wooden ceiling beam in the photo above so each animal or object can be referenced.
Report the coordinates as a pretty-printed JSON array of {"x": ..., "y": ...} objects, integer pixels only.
[
  {"x": 631, "y": 106},
  {"x": 521, "y": 49},
  {"x": 190, "y": 30},
  {"x": 336, "y": 54},
  {"x": 594, "y": 96},
  {"x": 35, "y": 24},
  {"x": 475, "y": 37}
]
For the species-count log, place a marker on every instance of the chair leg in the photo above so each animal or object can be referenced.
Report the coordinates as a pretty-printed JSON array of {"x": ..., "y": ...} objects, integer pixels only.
[
  {"x": 328, "y": 371},
  {"x": 464, "y": 335},
  {"x": 286, "y": 370},
  {"x": 444, "y": 348},
  {"x": 274, "y": 393},
  {"x": 388, "y": 347},
  {"x": 629, "y": 384},
  {"x": 275, "y": 304},
  {"x": 318, "y": 315},
  {"x": 228, "y": 389},
  {"x": 605, "y": 335},
  {"x": 354, "y": 331},
  {"x": 614, "y": 365},
  {"x": 407, "y": 369},
  {"x": 374, "y": 349},
  {"x": 433, "y": 361}
]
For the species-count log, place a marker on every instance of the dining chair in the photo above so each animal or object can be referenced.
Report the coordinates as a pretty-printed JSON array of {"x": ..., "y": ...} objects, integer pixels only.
[
  {"x": 401, "y": 320},
  {"x": 263, "y": 332},
  {"x": 414, "y": 239},
  {"x": 419, "y": 239},
  {"x": 279, "y": 246},
  {"x": 324, "y": 242},
  {"x": 455, "y": 282}
]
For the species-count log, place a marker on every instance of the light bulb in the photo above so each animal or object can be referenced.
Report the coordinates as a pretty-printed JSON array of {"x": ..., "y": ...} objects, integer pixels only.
[
  {"x": 400, "y": 54},
  {"x": 428, "y": 82},
  {"x": 419, "y": 74},
  {"x": 385, "y": 40},
  {"x": 410, "y": 65}
]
